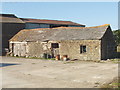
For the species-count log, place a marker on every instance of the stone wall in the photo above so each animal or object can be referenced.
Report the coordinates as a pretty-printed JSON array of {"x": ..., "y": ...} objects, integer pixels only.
[
  {"x": 72, "y": 49},
  {"x": 37, "y": 49},
  {"x": 108, "y": 45},
  {"x": 69, "y": 48}
]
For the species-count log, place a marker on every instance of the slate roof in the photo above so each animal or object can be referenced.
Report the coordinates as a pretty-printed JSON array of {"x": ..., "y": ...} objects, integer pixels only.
[
  {"x": 9, "y": 18},
  {"x": 61, "y": 33},
  {"x": 44, "y": 21}
]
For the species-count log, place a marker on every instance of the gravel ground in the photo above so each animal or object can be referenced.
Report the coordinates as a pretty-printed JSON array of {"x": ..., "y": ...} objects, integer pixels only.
[{"x": 36, "y": 73}]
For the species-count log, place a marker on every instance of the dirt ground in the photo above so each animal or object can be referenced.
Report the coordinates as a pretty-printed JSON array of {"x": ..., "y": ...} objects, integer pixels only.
[{"x": 36, "y": 73}]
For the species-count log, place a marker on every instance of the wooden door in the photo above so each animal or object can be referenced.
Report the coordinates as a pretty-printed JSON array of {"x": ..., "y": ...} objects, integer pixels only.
[{"x": 19, "y": 49}]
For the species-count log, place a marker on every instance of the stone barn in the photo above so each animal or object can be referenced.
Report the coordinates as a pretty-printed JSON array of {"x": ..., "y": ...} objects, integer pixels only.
[
  {"x": 10, "y": 26},
  {"x": 83, "y": 43}
]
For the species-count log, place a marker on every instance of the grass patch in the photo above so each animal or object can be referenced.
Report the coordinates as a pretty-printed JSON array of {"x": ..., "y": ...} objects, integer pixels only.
[
  {"x": 114, "y": 85},
  {"x": 67, "y": 62},
  {"x": 40, "y": 58},
  {"x": 34, "y": 58},
  {"x": 115, "y": 60},
  {"x": 33, "y": 63}
]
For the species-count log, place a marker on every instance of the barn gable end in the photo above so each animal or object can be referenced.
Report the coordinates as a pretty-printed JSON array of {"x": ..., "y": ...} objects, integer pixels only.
[{"x": 108, "y": 45}]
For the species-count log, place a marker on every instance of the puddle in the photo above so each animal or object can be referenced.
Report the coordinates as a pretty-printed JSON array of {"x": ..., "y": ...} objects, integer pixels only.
[{"x": 7, "y": 64}]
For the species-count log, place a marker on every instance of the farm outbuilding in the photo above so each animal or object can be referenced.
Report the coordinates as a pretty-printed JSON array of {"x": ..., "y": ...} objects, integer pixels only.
[
  {"x": 83, "y": 43},
  {"x": 44, "y": 23},
  {"x": 10, "y": 25}
]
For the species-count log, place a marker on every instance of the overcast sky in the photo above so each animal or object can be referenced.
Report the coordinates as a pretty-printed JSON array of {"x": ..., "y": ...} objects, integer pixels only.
[{"x": 88, "y": 13}]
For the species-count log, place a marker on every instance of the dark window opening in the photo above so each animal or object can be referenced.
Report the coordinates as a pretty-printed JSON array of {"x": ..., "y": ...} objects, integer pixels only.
[
  {"x": 53, "y": 25},
  {"x": 83, "y": 49},
  {"x": 115, "y": 48},
  {"x": 55, "y": 45}
]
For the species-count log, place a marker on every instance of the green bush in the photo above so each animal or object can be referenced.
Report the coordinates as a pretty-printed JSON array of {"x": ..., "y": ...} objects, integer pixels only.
[{"x": 117, "y": 36}]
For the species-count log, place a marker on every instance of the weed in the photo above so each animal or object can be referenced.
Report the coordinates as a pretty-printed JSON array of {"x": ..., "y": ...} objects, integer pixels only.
[
  {"x": 33, "y": 63},
  {"x": 97, "y": 83},
  {"x": 115, "y": 60},
  {"x": 68, "y": 62},
  {"x": 114, "y": 84},
  {"x": 33, "y": 58}
]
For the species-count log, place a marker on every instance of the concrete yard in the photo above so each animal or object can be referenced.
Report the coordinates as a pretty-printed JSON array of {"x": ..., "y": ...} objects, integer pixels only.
[{"x": 36, "y": 73}]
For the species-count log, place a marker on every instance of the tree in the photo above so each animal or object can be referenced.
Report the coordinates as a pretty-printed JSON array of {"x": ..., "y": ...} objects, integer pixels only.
[{"x": 117, "y": 36}]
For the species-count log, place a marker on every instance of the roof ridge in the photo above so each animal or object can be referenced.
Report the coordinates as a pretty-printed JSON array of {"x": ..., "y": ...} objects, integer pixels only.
[
  {"x": 36, "y": 29},
  {"x": 100, "y": 26},
  {"x": 85, "y": 27},
  {"x": 65, "y": 28}
]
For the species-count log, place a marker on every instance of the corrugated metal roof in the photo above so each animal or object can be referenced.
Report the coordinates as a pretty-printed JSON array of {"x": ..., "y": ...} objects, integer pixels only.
[
  {"x": 27, "y": 20},
  {"x": 9, "y": 18},
  {"x": 61, "y": 33}
]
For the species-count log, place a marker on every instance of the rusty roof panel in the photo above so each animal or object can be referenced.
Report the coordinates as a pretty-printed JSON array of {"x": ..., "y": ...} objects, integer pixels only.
[{"x": 50, "y": 21}]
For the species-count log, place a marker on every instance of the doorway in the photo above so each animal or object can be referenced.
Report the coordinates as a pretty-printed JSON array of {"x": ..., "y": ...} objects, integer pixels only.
[{"x": 55, "y": 49}]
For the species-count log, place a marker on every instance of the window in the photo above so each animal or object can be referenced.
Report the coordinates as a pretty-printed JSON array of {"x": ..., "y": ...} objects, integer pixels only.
[
  {"x": 55, "y": 45},
  {"x": 82, "y": 49},
  {"x": 53, "y": 25}
]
